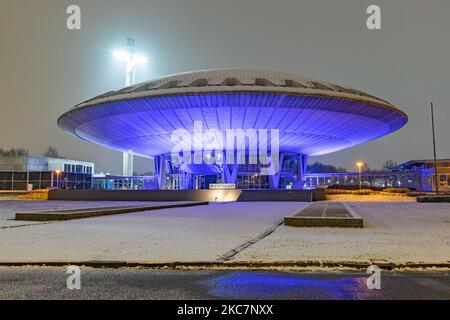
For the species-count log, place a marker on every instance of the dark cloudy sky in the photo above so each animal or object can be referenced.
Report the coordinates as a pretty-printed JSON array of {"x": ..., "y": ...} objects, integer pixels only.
[{"x": 45, "y": 69}]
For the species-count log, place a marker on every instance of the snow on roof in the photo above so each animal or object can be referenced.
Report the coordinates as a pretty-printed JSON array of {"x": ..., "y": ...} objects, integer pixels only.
[{"x": 233, "y": 80}]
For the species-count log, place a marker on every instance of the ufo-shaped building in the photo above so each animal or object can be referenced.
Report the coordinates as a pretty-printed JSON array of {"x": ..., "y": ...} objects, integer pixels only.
[{"x": 311, "y": 118}]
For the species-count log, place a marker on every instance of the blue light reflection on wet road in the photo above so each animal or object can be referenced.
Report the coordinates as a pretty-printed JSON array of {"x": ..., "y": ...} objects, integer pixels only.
[{"x": 278, "y": 285}]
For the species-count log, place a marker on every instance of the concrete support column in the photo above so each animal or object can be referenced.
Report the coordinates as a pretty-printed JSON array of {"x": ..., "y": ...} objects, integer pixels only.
[
  {"x": 302, "y": 161},
  {"x": 160, "y": 170},
  {"x": 302, "y": 169},
  {"x": 187, "y": 178},
  {"x": 274, "y": 180},
  {"x": 230, "y": 172},
  {"x": 127, "y": 164}
]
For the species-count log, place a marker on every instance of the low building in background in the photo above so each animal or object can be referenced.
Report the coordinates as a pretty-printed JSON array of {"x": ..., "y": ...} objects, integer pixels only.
[
  {"x": 414, "y": 174},
  {"x": 25, "y": 172},
  {"x": 117, "y": 182},
  {"x": 426, "y": 170}
]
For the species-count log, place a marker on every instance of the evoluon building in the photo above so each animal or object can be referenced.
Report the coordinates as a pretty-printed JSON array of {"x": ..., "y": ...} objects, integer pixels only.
[{"x": 305, "y": 117}]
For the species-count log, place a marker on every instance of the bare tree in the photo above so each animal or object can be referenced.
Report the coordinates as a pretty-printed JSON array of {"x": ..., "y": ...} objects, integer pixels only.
[
  {"x": 52, "y": 152},
  {"x": 318, "y": 167},
  {"x": 389, "y": 164},
  {"x": 14, "y": 152}
]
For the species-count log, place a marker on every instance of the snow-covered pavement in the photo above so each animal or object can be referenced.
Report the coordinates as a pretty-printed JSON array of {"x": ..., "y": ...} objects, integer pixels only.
[
  {"x": 396, "y": 232},
  {"x": 200, "y": 233},
  {"x": 8, "y": 208}
]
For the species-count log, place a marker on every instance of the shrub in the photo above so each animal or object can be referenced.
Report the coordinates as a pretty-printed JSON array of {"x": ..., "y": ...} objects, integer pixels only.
[
  {"x": 417, "y": 193},
  {"x": 364, "y": 192},
  {"x": 353, "y": 187},
  {"x": 38, "y": 194},
  {"x": 397, "y": 190}
]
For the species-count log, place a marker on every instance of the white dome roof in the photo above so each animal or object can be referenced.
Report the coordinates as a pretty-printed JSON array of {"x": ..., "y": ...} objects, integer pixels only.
[
  {"x": 313, "y": 117},
  {"x": 234, "y": 80}
]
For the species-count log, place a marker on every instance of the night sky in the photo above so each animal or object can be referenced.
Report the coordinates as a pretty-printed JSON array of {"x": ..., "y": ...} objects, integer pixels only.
[{"x": 45, "y": 69}]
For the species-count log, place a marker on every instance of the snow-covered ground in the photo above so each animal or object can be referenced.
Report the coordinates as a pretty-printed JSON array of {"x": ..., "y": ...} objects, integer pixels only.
[
  {"x": 395, "y": 232},
  {"x": 401, "y": 231},
  {"x": 201, "y": 233},
  {"x": 8, "y": 208}
]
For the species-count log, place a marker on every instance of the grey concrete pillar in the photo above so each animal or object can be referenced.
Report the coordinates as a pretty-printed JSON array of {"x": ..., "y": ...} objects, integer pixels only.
[
  {"x": 127, "y": 164},
  {"x": 160, "y": 170},
  {"x": 187, "y": 178},
  {"x": 302, "y": 161},
  {"x": 274, "y": 180},
  {"x": 230, "y": 171}
]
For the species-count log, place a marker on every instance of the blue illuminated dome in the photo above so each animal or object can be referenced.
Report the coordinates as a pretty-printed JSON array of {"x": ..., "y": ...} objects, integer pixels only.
[{"x": 313, "y": 117}]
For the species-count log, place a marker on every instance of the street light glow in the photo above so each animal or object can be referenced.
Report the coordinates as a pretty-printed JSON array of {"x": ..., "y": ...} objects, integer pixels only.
[
  {"x": 360, "y": 165},
  {"x": 121, "y": 55},
  {"x": 131, "y": 59},
  {"x": 124, "y": 56},
  {"x": 140, "y": 59}
]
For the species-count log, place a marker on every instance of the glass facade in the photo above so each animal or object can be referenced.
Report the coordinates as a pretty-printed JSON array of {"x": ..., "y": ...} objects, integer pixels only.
[
  {"x": 19, "y": 180},
  {"x": 415, "y": 175},
  {"x": 109, "y": 182},
  {"x": 17, "y": 172}
]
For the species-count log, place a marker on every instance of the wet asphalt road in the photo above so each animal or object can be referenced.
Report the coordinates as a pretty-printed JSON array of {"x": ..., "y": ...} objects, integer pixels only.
[{"x": 50, "y": 283}]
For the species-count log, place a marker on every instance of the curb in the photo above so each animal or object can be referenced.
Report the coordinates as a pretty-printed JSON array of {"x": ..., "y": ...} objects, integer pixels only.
[
  {"x": 231, "y": 265},
  {"x": 75, "y": 214}
]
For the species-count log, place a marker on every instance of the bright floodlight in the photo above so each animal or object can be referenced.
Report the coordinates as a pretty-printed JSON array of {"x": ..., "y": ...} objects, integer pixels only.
[
  {"x": 140, "y": 59},
  {"x": 124, "y": 56},
  {"x": 132, "y": 59},
  {"x": 121, "y": 55},
  {"x": 359, "y": 164}
]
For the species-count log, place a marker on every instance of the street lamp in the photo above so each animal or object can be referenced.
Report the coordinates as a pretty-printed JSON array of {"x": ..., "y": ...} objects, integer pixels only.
[
  {"x": 58, "y": 173},
  {"x": 436, "y": 177},
  {"x": 359, "y": 164}
]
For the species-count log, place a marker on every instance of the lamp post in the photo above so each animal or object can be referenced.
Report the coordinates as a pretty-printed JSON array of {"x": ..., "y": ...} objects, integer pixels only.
[
  {"x": 436, "y": 177},
  {"x": 359, "y": 164},
  {"x": 131, "y": 59},
  {"x": 58, "y": 173}
]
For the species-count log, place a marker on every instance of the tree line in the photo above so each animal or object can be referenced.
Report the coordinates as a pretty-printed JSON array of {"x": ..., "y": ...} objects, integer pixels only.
[
  {"x": 51, "y": 152},
  {"x": 318, "y": 167}
]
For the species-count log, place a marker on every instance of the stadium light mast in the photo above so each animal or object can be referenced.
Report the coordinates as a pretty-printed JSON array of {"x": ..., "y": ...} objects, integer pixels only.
[{"x": 131, "y": 59}]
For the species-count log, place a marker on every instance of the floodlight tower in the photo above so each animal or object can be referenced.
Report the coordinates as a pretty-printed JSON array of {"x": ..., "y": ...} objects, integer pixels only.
[{"x": 132, "y": 59}]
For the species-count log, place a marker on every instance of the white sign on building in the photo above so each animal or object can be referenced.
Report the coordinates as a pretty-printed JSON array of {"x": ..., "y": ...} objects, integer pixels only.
[{"x": 222, "y": 186}]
